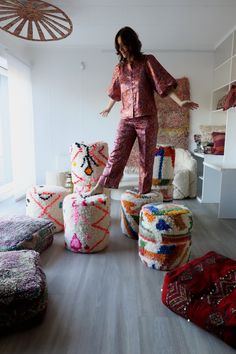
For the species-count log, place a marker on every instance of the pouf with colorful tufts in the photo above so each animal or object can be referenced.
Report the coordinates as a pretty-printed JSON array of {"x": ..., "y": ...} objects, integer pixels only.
[
  {"x": 46, "y": 202},
  {"x": 24, "y": 232},
  {"x": 87, "y": 222},
  {"x": 131, "y": 204},
  {"x": 163, "y": 168},
  {"x": 23, "y": 290},
  {"x": 203, "y": 291},
  {"x": 164, "y": 235},
  {"x": 87, "y": 164}
]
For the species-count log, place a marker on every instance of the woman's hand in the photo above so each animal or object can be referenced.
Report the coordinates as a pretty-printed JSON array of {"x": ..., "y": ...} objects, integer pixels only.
[
  {"x": 189, "y": 104},
  {"x": 105, "y": 112}
]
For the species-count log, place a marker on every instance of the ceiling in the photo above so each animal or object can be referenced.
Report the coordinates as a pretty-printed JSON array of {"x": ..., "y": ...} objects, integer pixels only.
[{"x": 195, "y": 25}]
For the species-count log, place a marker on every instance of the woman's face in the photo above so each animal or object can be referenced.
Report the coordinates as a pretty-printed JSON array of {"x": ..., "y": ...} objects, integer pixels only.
[{"x": 123, "y": 48}]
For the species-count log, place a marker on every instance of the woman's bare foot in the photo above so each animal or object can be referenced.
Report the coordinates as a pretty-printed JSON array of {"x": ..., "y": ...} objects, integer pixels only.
[{"x": 98, "y": 189}]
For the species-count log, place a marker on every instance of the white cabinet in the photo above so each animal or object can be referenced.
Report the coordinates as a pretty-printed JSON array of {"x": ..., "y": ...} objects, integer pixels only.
[
  {"x": 216, "y": 184},
  {"x": 204, "y": 195}
]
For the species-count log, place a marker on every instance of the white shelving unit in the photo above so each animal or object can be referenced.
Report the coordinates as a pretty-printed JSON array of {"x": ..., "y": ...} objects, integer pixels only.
[{"x": 219, "y": 172}]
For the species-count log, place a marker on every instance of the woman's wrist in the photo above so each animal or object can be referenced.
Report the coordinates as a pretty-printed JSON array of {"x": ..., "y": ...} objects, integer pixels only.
[{"x": 184, "y": 102}]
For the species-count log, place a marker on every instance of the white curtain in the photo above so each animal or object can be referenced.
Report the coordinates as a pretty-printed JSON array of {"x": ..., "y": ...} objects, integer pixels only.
[{"x": 22, "y": 130}]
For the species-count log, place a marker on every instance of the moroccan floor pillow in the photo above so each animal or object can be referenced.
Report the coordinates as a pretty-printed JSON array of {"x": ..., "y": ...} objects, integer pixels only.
[
  {"x": 25, "y": 232},
  {"x": 203, "y": 291},
  {"x": 164, "y": 235},
  {"x": 23, "y": 290},
  {"x": 46, "y": 202},
  {"x": 87, "y": 222},
  {"x": 131, "y": 204}
]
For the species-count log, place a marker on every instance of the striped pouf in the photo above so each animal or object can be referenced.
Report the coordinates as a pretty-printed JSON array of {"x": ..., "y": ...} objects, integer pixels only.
[
  {"x": 87, "y": 164},
  {"x": 131, "y": 204},
  {"x": 163, "y": 171},
  {"x": 46, "y": 202},
  {"x": 164, "y": 235},
  {"x": 87, "y": 222}
]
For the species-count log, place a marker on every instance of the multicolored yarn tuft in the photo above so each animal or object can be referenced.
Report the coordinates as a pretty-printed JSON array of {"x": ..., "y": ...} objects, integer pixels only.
[
  {"x": 131, "y": 204},
  {"x": 164, "y": 235},
  {"x": 87, "y": 222}
]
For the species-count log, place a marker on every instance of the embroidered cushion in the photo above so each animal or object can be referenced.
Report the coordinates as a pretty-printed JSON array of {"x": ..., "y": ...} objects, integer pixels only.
[
  {"x": 25, "y": 232},
  {"x": 219, "y": 143},
  {"x": 204, "y": 292},
  {"x": 23, "y": 290}
]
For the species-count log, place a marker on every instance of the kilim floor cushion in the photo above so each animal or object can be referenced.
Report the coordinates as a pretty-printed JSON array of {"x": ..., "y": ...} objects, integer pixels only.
[
  {"x": 25, "y": 232},
  {"x": 131, "y": 204},
  {"x": 164, "y": 235},
  {"x": 23, "y": 290},
  {"x": 203, "y": 291},
  {"x": 87, "y": 222}
]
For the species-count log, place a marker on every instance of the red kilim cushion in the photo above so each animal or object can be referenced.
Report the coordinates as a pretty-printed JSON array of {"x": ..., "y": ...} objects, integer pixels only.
[
  {"x": 204, "y": 292},
  {"x": 219, "y": 143}
]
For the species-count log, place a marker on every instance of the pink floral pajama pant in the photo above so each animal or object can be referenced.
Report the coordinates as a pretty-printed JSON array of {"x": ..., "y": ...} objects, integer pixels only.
[{"x": 145, "y": 129}]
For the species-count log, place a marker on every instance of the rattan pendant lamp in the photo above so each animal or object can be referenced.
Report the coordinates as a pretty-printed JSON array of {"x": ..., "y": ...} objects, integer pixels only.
[{"x": 34, "y": 20}]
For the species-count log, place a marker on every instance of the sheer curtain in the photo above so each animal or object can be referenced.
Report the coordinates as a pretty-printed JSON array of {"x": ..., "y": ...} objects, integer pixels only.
[{"x": 21, "y": 125}]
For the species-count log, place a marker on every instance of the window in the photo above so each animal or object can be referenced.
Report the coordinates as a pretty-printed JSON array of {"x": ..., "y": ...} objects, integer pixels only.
[{"x": 5, "y": 137}]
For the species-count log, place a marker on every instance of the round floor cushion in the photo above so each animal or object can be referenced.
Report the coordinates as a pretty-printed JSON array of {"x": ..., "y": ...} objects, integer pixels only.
[
  {"x": 46, "y": 202},
  {"x": 19, "y": 232},
  {"x": 164, "y": 235},
  {"x": 131, "y": 204},
  {"x": 203, "y": 291},
  {"x": 87, "y": 222},
  {"x": 23, "y": 290}
]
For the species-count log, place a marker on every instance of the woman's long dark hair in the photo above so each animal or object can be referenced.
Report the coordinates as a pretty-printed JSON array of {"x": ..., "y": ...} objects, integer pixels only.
[{"x": 130, "y": 39}]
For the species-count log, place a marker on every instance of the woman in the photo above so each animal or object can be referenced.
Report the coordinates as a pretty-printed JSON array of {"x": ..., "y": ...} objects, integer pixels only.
[{"x": 135, "y": 80}]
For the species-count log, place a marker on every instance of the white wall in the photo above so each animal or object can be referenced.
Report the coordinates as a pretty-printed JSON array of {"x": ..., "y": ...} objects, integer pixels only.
[{"x": 67, "y": 100}]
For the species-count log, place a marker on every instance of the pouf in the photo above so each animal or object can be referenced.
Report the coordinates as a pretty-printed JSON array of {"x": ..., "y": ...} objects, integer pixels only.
[
  {"x": 131, "y": 204},
  {"x": 181, "y": 184},
  {"x": 204, "y": 292},
  {"x": 23, "y": 290},
  {"x": 164, "y": 235},
  {"x": 87, "y": 222},
  {"x": 166, "y": 191},
  {"x": 25, "y": 232},
  {"x": 163, "y": 168},
  {"x": 87, "y": 164},
  {"x": 46, "y": 202}
]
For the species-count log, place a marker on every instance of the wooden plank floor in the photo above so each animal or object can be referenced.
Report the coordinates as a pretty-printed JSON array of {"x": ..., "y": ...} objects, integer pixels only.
[{"x": 110, "y": 303}]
